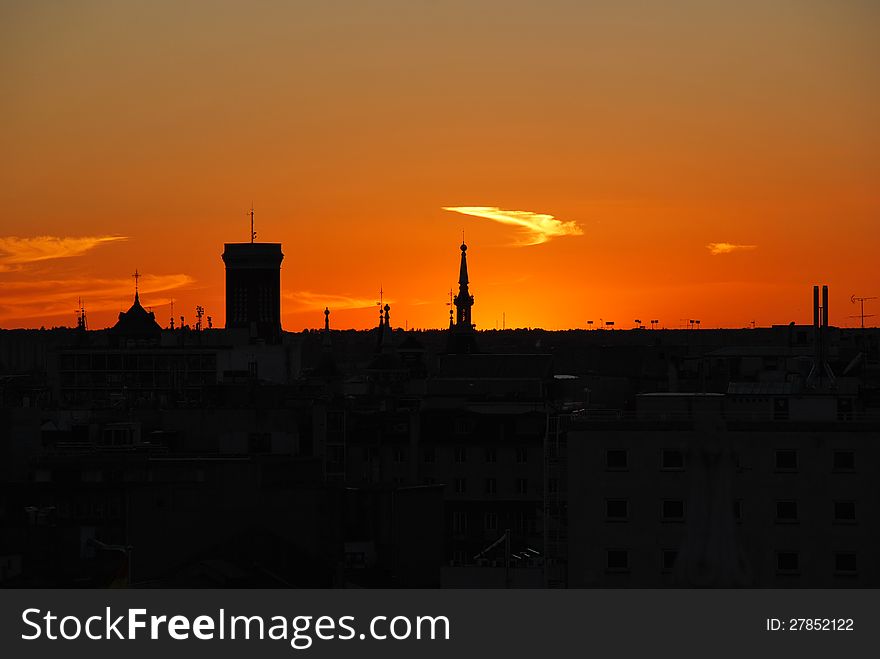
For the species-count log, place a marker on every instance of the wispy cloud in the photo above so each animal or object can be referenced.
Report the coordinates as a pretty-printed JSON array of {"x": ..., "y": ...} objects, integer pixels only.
[
  {"x": 311, "y": 301},
  {"x": 57, "y": 298},
  {"x": 15, "y": 251},
  {"x": 726, "y": 248},
  {"x": 537, "y": 228}
]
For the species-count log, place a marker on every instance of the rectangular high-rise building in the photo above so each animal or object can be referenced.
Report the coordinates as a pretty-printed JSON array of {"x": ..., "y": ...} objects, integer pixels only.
[{"x": 253, "y": 289}]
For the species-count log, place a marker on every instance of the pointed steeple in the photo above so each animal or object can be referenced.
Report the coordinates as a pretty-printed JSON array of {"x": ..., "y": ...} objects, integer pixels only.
[
  {"x": 461, "y": 332},
  {"x": 136, "y": 277},
  {"x": 464, "y": 300}
]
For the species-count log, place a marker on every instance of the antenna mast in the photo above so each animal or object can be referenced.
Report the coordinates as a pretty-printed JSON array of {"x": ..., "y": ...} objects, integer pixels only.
[
  {"x": 81, "y": 316},
  {"x": 861, "y": 301},
  {"x": 253, "y": 233}
]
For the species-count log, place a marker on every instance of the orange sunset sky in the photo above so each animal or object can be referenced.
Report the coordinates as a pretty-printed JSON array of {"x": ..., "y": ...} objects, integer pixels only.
[{"x": 700, "y": 159}]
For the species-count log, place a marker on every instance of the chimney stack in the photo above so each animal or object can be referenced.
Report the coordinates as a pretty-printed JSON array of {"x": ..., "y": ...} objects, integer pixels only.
[{"x": 824, "y": 306}]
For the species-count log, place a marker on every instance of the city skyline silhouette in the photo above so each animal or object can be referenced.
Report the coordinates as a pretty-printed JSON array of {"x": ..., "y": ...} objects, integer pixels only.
[
  {"x": 399, "y": 294},
  {"x": 683, "y": 162}
]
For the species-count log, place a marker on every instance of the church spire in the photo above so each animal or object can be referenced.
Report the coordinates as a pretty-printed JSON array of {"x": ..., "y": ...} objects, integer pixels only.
[
  {"x": 464, "y": 300},
  {"x": 136, "y": 276}
]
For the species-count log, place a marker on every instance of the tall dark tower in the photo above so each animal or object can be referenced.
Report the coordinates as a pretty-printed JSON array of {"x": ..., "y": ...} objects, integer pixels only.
[
  {"x": 253, "y": 289},
  {"x": 461, "y": 335}
]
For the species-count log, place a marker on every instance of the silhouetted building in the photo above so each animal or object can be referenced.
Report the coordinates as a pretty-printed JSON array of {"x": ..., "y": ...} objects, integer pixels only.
[
  {"x": 253, "y": 289},
  {"x": 136, "y": 327},
  {"x": 461, "y": 332}
]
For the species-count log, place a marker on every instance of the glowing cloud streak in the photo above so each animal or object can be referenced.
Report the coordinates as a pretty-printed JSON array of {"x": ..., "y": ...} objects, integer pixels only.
[
  {"x": 727, "y": 248},
  {"x": 311, "y": 301},
  {"x": 15, "y": 251},
  {"x": 53, "y": 298},
  {"x": 537, "y": 227}
]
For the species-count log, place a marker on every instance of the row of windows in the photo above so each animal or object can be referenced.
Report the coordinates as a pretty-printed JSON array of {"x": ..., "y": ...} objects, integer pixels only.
[
  {"x": 128, "y": 362},
  {"x": 490, "y": 485},
  {"x": 787, "y": 511},
  {"x": 522, "y": 523},
  {"x": 617, "y": 510},
  {"x": 783, "y": 460},
  {"x": 141, "y": 378},
  {"x": 460, "y": 454},
  {"x": 670, "y": 459},
  {"x": 787, "y": 562}
]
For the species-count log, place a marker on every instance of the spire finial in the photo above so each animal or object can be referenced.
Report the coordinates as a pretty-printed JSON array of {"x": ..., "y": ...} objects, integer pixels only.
[
  {"x": 379, "y": 304},
  {"x": 253, "y": 233},
  {"x": 136, "y": 276}
]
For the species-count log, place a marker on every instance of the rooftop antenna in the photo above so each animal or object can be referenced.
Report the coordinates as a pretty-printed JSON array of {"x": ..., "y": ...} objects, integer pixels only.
[
  {"x": 379, "y": 303},
  {"x": 861, "y": 301},
  {"x": 81, "y": 315},
  {"x": 200, "y": 311},
  {"x": 136, "y": 276},
  {"x": 172, "y": 313},
  {"x": 253, "y": 233}
]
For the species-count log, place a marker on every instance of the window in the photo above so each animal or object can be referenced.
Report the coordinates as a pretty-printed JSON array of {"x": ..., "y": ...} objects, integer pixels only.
[
  {"x": 844, "y": 461},
  {"x": 399, "y": 455},
  {"x": 845, "y": 511},
  {"x": 522, "y": 455},
  {"x": 428, "y": 456},
  {"x": 671, "y": 459},
  {"x": 780, "y": 409},
  {"x": 616, "y": 458},
  {"x": 552, "y": 485},
  {"x": 336, "y": 456},
  {"x": 786, "y": 460},
  {"x": 787, "y": 562},
  {"x": 464, "y": 426},
  {"x": 491, "y": 486},
  {"x": 617, "y": 560},
  {"x": 459, "y": 522},
  {"x": 616, "y": 510},
  {"x": 522, "y": 485},
  {"x": 491, "y": 455},
  {"x": 460, "y": 454},
  {"x": 491, "y": 521},
  {"x": 460, "y": 485},
  {"x": 786, "y": 511},
  {"x": 667, "y": 559},
  {"x": 672, "y": 510},
  {"x": 259, "y": 442},
  {"x": 845, "y": 563}
]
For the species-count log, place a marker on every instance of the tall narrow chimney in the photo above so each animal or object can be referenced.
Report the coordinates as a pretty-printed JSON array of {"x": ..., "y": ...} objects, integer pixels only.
[{"x": 824, "y": 306}]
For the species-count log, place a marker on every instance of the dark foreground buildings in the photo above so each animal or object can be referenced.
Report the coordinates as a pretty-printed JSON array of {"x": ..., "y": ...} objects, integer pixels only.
[{"x": 250, "y": 456}]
